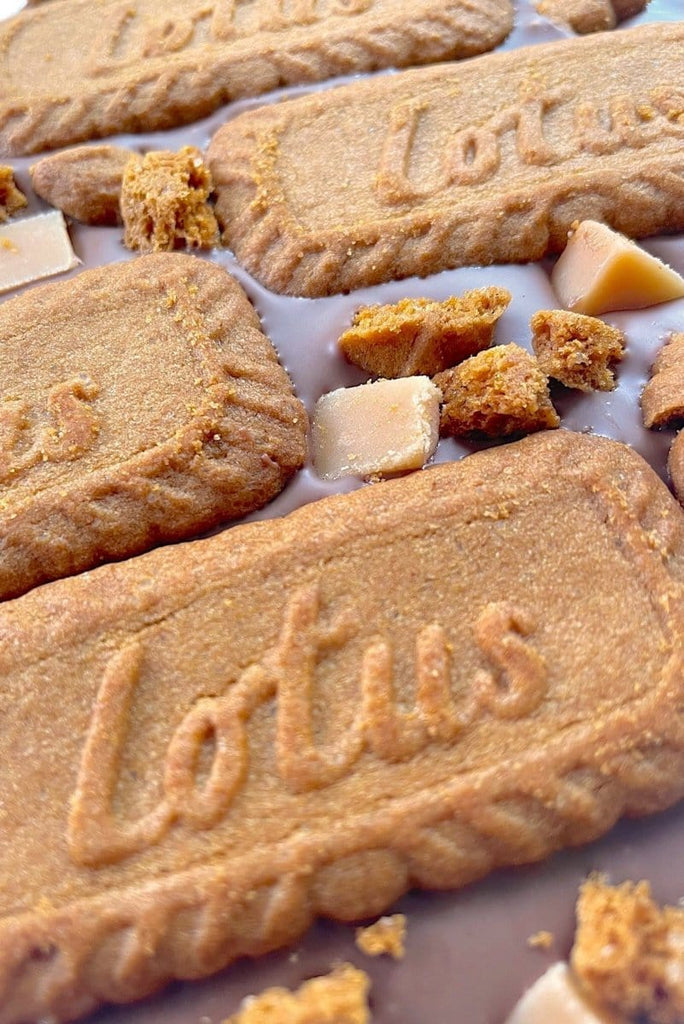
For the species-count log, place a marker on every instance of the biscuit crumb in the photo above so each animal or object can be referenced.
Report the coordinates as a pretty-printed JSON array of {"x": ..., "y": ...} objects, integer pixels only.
[
  {"x": 540, "y": 940},
  {"x": 423, "y": 336},
  {"x": 629, "y": 953},
  {"x": 384, "y": 936},
  {"x": 12, "y": 199},
  {"x": 662, "y": 400},
  {"x": 498, "y": 392},
  {"x": 164, "y": 202},
  {"x": 336, "y": 998},
  {"x": 575, "y": 349}
]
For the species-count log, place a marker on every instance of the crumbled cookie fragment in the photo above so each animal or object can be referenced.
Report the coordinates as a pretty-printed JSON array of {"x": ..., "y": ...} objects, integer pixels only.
[
  {"x": 164, "y": 202},
  {"x": 12, "y": 199},
  {"x": 662, "y": 400},
  {"x": 384, "y": 936},
  {"x": 576, "y": 349},
  {"x": 498, "y": 392},
  {"x": 416, "y": 336},
  {"x": 540, "y": 940},
  {"x": 585, "y": 16},
  {"x": 83, "y": 182},
  {"x": 628, "y": 951},
  {"x": 336, "y": 998}
]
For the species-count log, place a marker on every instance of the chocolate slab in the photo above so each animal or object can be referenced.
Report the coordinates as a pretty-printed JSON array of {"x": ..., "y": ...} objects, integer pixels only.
[{"x": 467, "y": 953}]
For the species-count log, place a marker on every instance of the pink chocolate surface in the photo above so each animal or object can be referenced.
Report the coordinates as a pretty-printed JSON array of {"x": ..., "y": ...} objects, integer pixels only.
[{"x": 467, "y": 958}]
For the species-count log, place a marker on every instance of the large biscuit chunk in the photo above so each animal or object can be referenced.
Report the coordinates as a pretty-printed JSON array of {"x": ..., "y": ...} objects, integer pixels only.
[
  {"x": 489, "y": 161},
  {"x": 138, "y": 403},
  {"x": 80, "y": 70},
  {"x": 206, "y": 746}
]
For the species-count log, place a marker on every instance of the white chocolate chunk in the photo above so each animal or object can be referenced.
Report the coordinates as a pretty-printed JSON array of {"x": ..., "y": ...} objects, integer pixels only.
[
  {"x": 384, "y": 427},
  {"x": 601, "y": 270},
  {"x": 33, "y": 248},
  {"x": 554, "y": 999}
]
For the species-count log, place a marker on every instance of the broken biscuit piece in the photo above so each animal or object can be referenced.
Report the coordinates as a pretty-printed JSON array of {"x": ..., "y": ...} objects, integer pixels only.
[
  {"x": 628, "y": 951},
  {"x": 336, "y": 998},
  {"x": 387, "y": 426},
  {"x": 498, "y": 392},
  {"x": 584, "y": 16},
  {"x": 662, "y": 400},
  {"x": 601, "y": 270},
  {"x": 83, "y": 182},
  {"x": 384, "y": 936},
  {"x": 12, "y": 199},
  {"x": 675, "y": 465},
  {"x": 164, "y": 202},
  {"x": 416, "y": 336},
  {"x": 575, "y": 349}
]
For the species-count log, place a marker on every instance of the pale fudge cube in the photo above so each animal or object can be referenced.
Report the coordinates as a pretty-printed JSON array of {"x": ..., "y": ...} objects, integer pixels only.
[
  {"x": 601, "y": 270},
  {"x": 555, "y": 999},
  {"x": 34, "y": 248},
  {"x": 387, "y": 426}
]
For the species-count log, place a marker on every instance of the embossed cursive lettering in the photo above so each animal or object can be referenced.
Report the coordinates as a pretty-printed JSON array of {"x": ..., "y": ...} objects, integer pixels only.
[{"x": 287, "y": 673}]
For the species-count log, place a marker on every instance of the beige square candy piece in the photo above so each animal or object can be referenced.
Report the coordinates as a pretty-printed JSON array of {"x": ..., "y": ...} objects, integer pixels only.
[
  {"x": 601, "y": 270},
  {"x": 383, "y": 427},
  {"x": 555, "y": 998},
  {"x": 34, "y": 248}
]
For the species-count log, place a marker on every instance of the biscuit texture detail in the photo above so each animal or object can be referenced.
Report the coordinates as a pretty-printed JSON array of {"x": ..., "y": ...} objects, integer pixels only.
[
  {"x": 157, "y": 410},
  {"x": 584, "y": 128},
  {"x": 119, "y": 67},
  {"x": 225, "y": 703}
]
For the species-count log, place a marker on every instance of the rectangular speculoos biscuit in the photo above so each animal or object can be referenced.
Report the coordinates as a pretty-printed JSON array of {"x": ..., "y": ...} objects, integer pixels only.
[
  {"x": 139, "y": 403},
  {"x": 78, "y": 70},
  {"x": 489, "y": 161},
  {"x": 206, "y": 746}
]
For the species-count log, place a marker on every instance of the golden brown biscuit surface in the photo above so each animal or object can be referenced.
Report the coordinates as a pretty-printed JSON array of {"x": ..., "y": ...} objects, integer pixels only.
[
  {"x": 225, "y": 704},
  {"x": 153, "y": 409},
  {"x": 335, "y": 998},
  {"x": 83, "y": 182},
  {"x": 590, "y": 15},
  {"x": 78, "y": 71},
  {"x": 12, "y": 199},
  {"x": 490, "y": 161},
  {"x": 577, "y": 350},
  {"x": 662, "y": 400}
]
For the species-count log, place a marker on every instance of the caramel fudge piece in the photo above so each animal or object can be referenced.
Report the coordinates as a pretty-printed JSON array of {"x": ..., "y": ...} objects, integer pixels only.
[
  {"x": 662, "y": 400},
  {"x": 384, "y": 937},
  {"x": 416, "y": 336},
  {"x": 83, "y": 182},
  {"x": 498, "y": 392},
  {"x": 576, "y": 349},
  {"x": 33, "y": 248},
  {"x": 336, "y": 998},
  {"x": 601, "y": 270},
  {"x": 11, "y": 198},
  {"x": 628, "y": 951},
  {"x": 556, "y": 998},
  {"x": 387, "y": 426},
  {"x": 164, "y": 202},
  {"x": 590, "y": 15}
]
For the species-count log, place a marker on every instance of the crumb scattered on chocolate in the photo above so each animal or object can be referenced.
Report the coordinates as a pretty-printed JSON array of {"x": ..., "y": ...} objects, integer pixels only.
[
  {"x": 340, "y": 997},
  {"x": 164, "y": 202},
  {"x": 386, "y": 936},
  {"x": 12, "y": 199},
  {"x": 629, "y": 952},
  {"x": 498, "y": 392},
  {"x": 577, "y": 350},
  {"x": 540, "y": 940},
  {"x": 423, "y": 336}
]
